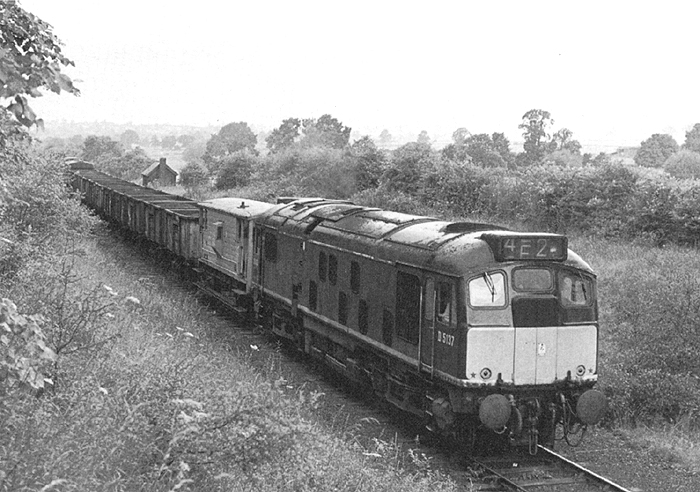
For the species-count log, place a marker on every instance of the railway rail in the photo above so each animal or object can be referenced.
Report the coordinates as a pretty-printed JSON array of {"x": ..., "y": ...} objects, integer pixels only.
[{"x": 544, "y": 471}]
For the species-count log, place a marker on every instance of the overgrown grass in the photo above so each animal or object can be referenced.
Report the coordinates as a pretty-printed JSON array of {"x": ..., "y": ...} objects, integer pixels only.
[
  {"x": 168, "y": 402},
  {"x": 650, "y": 340}
]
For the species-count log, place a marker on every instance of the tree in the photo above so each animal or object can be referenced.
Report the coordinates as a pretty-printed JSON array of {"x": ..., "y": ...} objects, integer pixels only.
[
  {"x": 235, "y": 170},
  {"x": 423, "y": 138},
  {"x": 385, "y": 138},
  {"x": 284, "y": 136},
  {"x": 655, "y": 150},
  {"x": 489, "y": 150},
  {"x": 128, "y": 166},
  {"x": 502, "y": 146},
  {"x": 563, "y": 140},
  {"x": 692, "y": 138},
  {"x": 457, "y": 150},
  {"x": 368, "y": 163},
  {"x": 460, "y": 135},
  {"x": 684, "y": 164},
  {"x": 100, "y": 148},
  {"x": 407, "y": 167},
  {"x": 232, "y": 138},
  {"x": 31, "y": 59},
  {"x": 168, "y": 142},
  {"x": 129, "y": 137},
  {"x": 186, "y": 140},
  {"x": 193, "y": 175},
  {"x": 535, "y": 125},
  {"x": 325, "y": 132},
  {"x": 194, "y": 152}
]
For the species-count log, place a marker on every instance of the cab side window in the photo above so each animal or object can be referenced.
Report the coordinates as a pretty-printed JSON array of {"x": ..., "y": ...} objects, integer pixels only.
[{"x": 443, "y": 306}]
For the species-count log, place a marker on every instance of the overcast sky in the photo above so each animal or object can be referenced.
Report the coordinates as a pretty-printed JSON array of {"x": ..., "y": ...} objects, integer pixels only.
[{"x": 612, "y": 72}]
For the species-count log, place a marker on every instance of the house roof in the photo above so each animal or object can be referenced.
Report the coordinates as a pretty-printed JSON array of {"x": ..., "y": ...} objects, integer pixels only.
[{"x": 152, "y": 168}]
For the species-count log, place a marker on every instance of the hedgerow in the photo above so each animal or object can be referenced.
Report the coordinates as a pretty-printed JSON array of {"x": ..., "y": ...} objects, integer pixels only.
[{"x": 649, "y": 301}]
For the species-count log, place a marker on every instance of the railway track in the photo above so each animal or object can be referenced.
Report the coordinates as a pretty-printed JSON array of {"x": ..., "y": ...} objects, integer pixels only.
[{"x": 545, "y": 471}]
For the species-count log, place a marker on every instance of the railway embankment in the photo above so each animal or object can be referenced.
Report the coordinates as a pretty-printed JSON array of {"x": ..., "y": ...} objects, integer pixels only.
[
  {"x": 154, "y": 391},
  {"x": 172, "y": 393}
]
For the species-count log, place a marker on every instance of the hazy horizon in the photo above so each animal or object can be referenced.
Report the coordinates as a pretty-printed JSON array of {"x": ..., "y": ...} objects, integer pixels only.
[{"x": 614, "y": 74}]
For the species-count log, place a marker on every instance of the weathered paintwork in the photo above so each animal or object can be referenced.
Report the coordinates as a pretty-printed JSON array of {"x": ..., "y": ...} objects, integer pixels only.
[
  {"x": 169, "y": 220},
  {"x": 226, "y": 226}
]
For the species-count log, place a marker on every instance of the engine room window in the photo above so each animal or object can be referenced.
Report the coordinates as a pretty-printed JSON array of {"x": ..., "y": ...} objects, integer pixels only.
[
  {"x": 488, "y": 290},
  {"x": 322, "y": 266},
  {"x": 574, "y": 290},
  {"x": 270, "y": 247},
  {"x": 443, "y": 306},
  {"x": 355, "y": 277},
  {"x": 219, "y": 231},
  {"x": 532, "y": 280},
  {"x": 332, "y": 269}
]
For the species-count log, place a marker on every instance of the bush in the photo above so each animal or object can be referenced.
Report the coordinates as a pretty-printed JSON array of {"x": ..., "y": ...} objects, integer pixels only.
[
  {"x": 38, "y": 215},
  {"x": 194, "y": 175},
  {"x": 25, "y": 358},
  {"x": 407, "y": 167},
  {"x": 684, "y": 164},
  {"x": 308, "y": 171},
  {"x": 649, "y": 336},
  {"x": 235, "y": 170}
]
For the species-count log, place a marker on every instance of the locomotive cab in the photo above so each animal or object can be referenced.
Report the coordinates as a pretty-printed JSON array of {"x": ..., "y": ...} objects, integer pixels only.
[{"x": 531, "y": 324}]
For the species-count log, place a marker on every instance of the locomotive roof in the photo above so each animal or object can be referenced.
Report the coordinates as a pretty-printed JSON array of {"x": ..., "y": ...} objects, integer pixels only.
[
  {"x": 237, "y": 206},
  {"x": 449, "y": 247}
]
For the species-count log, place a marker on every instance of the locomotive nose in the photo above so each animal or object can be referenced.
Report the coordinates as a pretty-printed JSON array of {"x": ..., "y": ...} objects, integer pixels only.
[{"x": 591, "y": 407}]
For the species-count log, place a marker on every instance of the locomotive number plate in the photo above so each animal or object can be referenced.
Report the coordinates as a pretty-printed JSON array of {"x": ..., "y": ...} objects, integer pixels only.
[{"x": 445, "y": 338}]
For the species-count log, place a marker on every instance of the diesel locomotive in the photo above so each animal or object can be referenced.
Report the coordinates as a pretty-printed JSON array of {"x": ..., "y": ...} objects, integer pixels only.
[{"x": 476, "y": 329}]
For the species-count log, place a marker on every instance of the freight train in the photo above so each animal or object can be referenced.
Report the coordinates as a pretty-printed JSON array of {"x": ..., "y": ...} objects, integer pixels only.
[{"x": 473, "y": 328}]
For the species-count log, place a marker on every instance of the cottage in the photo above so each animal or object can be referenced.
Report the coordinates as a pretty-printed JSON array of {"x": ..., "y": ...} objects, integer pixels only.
[{"x": 160, "y": 172}]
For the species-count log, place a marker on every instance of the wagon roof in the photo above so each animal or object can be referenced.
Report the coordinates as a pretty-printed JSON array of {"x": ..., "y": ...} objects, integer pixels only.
[{"x": 173, "y": 203}]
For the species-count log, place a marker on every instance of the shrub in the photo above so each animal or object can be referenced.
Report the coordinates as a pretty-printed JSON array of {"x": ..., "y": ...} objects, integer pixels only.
[
  {"x": 649, "y": 336},
  {"x": 25, "y": 358},
  {"x": 38, "y": 215},
  {"x": 684, "y": 164},
  {"x": 193, "y": 175},
  {"x": 407, "y": 167},
  {"x": 235, "y": 170},
  {"x": 654, "y": 151}
]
